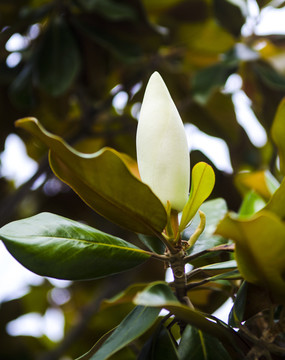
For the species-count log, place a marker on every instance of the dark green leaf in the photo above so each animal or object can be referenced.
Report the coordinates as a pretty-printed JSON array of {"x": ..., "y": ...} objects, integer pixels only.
[
  {"x": 121, "y": 48},
  {"x": 237, "y": 311},
  {"x": 207, "y": 80},
  {"x": 270, "y": 76},
  {"x": 51, "y": 245},
  {"x": 197, "y": 345},
  {"x": 160, "y": 295},
  {"x": 159, "y": 347},
  {"x": 231, "y": 14},
  {"x": 110, "y": 9},
  {"x": 133, "y": 326},
  {"x": 58, "y": 59},
  {"x": 152, "y": 243},
  {"x": 104, "y": 181}
]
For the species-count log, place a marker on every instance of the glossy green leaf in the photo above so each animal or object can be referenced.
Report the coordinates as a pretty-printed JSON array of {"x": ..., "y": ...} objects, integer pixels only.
[
  {"x": 58, "y": 61},
  {"x": 104, "y": 181},
  {"x": 202, "y": 184},
  {"x": 134, "y": 325},
  {"x": 237, "y": 311},
  {"x": 278, "y": 133},
  {"x": 197, "y": 345},
  {"x": 160, "y": 295},
  {"x": 51, "y": 245},
  {"x": 214, "y": 210},
  {"x": 260, "y": 248},
  {"x": 159, "y": 347},
  {"x": 152, "y": 243}
]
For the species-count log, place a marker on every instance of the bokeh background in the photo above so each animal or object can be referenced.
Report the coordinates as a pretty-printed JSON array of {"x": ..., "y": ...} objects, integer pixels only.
[{"x": 81, "y": 67}]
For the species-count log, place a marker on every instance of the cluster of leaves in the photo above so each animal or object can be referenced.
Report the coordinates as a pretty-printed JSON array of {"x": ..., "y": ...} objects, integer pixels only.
[{"x": 75, "y": 53}]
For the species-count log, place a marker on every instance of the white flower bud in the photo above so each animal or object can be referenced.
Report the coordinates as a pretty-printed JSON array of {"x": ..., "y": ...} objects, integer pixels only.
[{"x": 162, "y": 151}]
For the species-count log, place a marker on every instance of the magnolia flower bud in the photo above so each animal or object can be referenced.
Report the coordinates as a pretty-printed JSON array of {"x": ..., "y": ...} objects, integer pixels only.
[{"x": 162, "y": 151}]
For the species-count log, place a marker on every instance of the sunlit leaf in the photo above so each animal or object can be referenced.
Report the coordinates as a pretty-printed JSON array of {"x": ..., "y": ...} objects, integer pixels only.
[
  {"x": 104, "y": 181},
  {"x": 51, "y": 245},
  {"x": 197, "y": 345},
  {"x": 202, "y": 184},
  {"x": 278, "y": 133},
  {"x": 251, "y": 204},
  {"x": 262, "y": 182},
  {"x": 260, "y": 248}
]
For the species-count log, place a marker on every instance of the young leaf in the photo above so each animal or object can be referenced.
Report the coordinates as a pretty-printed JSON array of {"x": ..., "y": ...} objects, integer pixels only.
[
  {"x": 197, "y": 345},
  {"x": 260, "y": 249},
  {"x": 134, "y": 325},
  {"x": 104, "y": 181},
  {"x": 214, "y": 210},
  {"x": 278, "y": 133},
  {"x": 202, "y": 184},
  {"x": 54, "y": 246}
]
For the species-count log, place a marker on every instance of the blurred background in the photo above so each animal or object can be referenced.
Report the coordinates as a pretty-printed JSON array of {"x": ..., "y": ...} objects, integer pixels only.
[{"x": 81, "y": 67}]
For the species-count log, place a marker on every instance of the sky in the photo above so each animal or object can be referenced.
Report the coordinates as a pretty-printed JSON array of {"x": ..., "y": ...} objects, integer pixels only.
[{"x": 15, "y": 280}]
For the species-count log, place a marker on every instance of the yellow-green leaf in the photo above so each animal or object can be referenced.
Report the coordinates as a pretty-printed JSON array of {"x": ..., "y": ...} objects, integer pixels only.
[
  {"x": 260, "y": 250},
  {"x": 278, "y": 133},
  {"x": 104, "y": 181},
  {"x": 202, "y": 184}
]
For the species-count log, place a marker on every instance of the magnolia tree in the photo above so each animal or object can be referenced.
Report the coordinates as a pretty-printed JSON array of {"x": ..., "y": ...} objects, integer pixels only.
[{"x": 241, "y": 255}]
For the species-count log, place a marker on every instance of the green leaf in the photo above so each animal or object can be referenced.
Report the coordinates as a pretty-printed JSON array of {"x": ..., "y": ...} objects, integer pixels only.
[
  {"x": 110, "y": 9},
  {"x": 133, "y": 326},
  {"x": 58, "y": 60},
  {"x": 202, "y": 184},
  {"x": 54, "y": 246},
  {"x": 197, "y": 345},
  {"x": 276, "y": 203},
  {"x": 104, "y": 181},
  {"x": 278, "y": 133},
  {"x": 237, "y": 312},
  {"x": 160, "y": 295},
  {"x": 152, "y": 243},
  {"x": 231, "y": 14},
  {"x": 159, "y": 347},
  {"x": 207, "y": 80},
  {"x": 260, "y": 248},
  {"x": 251, "y": 204},
  {"x": 262, "y": 182},
  {"x": 270, "y": 76},
  {"x": 214, "y": 210},
  {"x": 121, "y": 48}
]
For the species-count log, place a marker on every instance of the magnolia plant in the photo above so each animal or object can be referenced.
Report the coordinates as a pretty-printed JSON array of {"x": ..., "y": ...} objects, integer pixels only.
[{"x": 230, "y": 255}]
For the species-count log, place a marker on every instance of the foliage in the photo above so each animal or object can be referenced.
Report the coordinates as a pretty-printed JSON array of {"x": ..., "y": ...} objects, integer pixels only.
[{"x": 77, "y": 58}]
